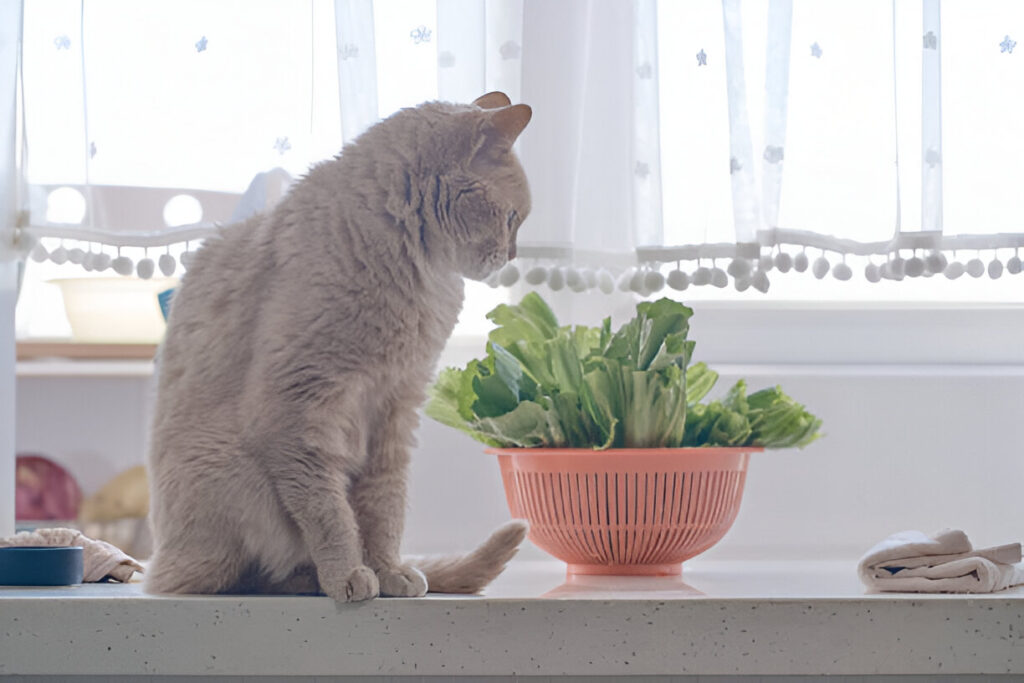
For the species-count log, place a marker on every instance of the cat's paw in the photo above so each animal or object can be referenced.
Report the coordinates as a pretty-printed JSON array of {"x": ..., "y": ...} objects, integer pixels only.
[
  {"x": 403, "y": 581},
  {"x": 361, "y": 584}
]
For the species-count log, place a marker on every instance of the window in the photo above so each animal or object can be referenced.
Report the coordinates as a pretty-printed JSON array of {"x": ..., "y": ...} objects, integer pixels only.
[
  {"x": 753, "y": 119},
  {"x": 283, "y": 64},
  {"x": 853, "y": 116}
]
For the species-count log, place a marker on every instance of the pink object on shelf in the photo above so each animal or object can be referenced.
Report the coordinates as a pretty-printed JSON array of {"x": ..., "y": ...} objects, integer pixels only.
[
  {"x": 641, "y": 511},
  {"x": 44, "y": 490}
]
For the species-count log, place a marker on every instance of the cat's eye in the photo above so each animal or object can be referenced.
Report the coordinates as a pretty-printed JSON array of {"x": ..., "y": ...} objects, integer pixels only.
[{"x": 512, "y": 216}]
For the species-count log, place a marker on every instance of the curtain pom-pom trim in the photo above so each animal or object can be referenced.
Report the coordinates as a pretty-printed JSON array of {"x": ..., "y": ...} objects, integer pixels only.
[
  {"x": 745, "y": 268},
  {"x": 136, "y": 261},
  {"x": 751, "y": 271}
]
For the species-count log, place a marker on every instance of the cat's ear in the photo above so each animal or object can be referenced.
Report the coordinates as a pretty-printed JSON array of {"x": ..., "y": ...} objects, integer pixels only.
[
  {"x": 492, "y": 100},
  {"x": 507, "y": 123}
]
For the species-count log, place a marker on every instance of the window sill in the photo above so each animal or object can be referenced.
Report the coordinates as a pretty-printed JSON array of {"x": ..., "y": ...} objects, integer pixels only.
[{"x": 724, "y": 618}]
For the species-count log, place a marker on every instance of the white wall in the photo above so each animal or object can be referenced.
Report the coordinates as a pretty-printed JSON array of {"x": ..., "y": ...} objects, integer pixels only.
[
  {"x": 94, "y": 426},
  {"x": 8, "y": 287},
  {"x": 906, "y": 447}
]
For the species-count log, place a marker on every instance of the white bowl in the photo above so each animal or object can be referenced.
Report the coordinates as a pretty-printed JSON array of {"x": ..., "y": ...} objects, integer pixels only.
[{"x": 120, "y": 310}]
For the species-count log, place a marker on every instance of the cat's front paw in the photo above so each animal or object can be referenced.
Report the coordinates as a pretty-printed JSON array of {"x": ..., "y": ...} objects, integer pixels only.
[
  {"x": 402, "y": 581},
  {"x": 361, "y": 584}
]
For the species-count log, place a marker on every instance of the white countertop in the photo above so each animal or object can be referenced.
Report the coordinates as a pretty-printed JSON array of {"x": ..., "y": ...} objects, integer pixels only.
[{"x": 718, "y": 618}]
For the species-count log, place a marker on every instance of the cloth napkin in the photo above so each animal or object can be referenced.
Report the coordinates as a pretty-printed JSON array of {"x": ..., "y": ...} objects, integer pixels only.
[
  {"x": 945, "y": 562},
  {"x": 99, "y": 558}
]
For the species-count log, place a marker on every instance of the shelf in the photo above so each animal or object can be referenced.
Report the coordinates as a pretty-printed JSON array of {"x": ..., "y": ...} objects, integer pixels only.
[
  {"x": 31, "y": 350},
  {"x": 72, "y": 359}
]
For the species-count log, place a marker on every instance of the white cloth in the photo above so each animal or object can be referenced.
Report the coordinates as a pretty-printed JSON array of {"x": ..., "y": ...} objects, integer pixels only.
[
  {"x": 99, "y": 558},
  {"x": 945, "y": 562}
]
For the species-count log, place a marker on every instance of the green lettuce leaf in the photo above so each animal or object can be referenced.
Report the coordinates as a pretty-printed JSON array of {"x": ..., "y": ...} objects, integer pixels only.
[
  {"x": 780, "y": 422},
  {"x": 529, "y": 425},
  {"x": 531, "y": 321},
  {"x": 700, "y": 379},
  {"x": 449, "y": 403}
]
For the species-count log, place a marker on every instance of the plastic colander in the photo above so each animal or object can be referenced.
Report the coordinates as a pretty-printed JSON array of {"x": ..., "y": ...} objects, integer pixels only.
[{"x": 625, "y": 511}]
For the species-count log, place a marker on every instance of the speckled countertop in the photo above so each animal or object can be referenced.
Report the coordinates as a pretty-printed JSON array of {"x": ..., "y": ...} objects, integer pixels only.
[{"x": 718, "y": 618}]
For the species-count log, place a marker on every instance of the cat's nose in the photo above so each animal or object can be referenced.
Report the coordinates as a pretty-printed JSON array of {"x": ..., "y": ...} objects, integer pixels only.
[{"x": 511, "y": 251}]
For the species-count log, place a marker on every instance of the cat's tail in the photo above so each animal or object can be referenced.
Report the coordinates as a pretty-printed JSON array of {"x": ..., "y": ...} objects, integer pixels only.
[{"x": 471, "y": 572}]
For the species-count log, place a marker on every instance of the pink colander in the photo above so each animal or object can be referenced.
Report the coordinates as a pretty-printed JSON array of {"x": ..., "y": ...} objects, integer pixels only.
[{"x": 641, "y": 511}]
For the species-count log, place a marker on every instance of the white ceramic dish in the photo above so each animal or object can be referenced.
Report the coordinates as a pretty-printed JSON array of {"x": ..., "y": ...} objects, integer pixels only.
[{"x": 114, "y": 309}]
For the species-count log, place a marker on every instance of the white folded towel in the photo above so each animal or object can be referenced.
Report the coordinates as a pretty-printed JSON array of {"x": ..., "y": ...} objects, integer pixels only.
[
  {"x": 100, "y": 559},
  {"x": 945, "y": 562}
]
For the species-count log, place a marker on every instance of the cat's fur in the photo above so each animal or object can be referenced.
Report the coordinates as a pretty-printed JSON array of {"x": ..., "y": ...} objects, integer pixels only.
[{"x": 299, "y": 348}]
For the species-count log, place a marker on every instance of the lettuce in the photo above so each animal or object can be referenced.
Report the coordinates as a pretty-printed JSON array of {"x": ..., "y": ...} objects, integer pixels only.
[{"x": 545, "y": 385}]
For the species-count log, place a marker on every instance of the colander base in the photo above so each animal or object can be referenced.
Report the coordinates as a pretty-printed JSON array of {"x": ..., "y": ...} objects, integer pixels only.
[{"x": 670, "y": 569}]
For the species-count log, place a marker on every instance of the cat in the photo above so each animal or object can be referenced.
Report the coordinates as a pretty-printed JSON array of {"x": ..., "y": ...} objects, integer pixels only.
[{"x": 298, "y": 349}]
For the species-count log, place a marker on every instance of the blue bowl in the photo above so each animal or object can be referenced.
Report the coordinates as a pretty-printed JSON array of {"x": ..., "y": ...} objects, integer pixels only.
[{"x": 40, "y": 566}]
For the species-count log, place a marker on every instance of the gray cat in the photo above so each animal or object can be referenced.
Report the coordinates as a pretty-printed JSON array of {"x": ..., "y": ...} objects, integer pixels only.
[{"x": 299, "y": 348}]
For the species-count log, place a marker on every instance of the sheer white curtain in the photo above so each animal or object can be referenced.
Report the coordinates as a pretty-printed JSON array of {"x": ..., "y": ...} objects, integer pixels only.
[
  {"x": 725, "y": 142},
  {"x": 674, "y": 144},
  {"x": 144, "y": 126}
]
